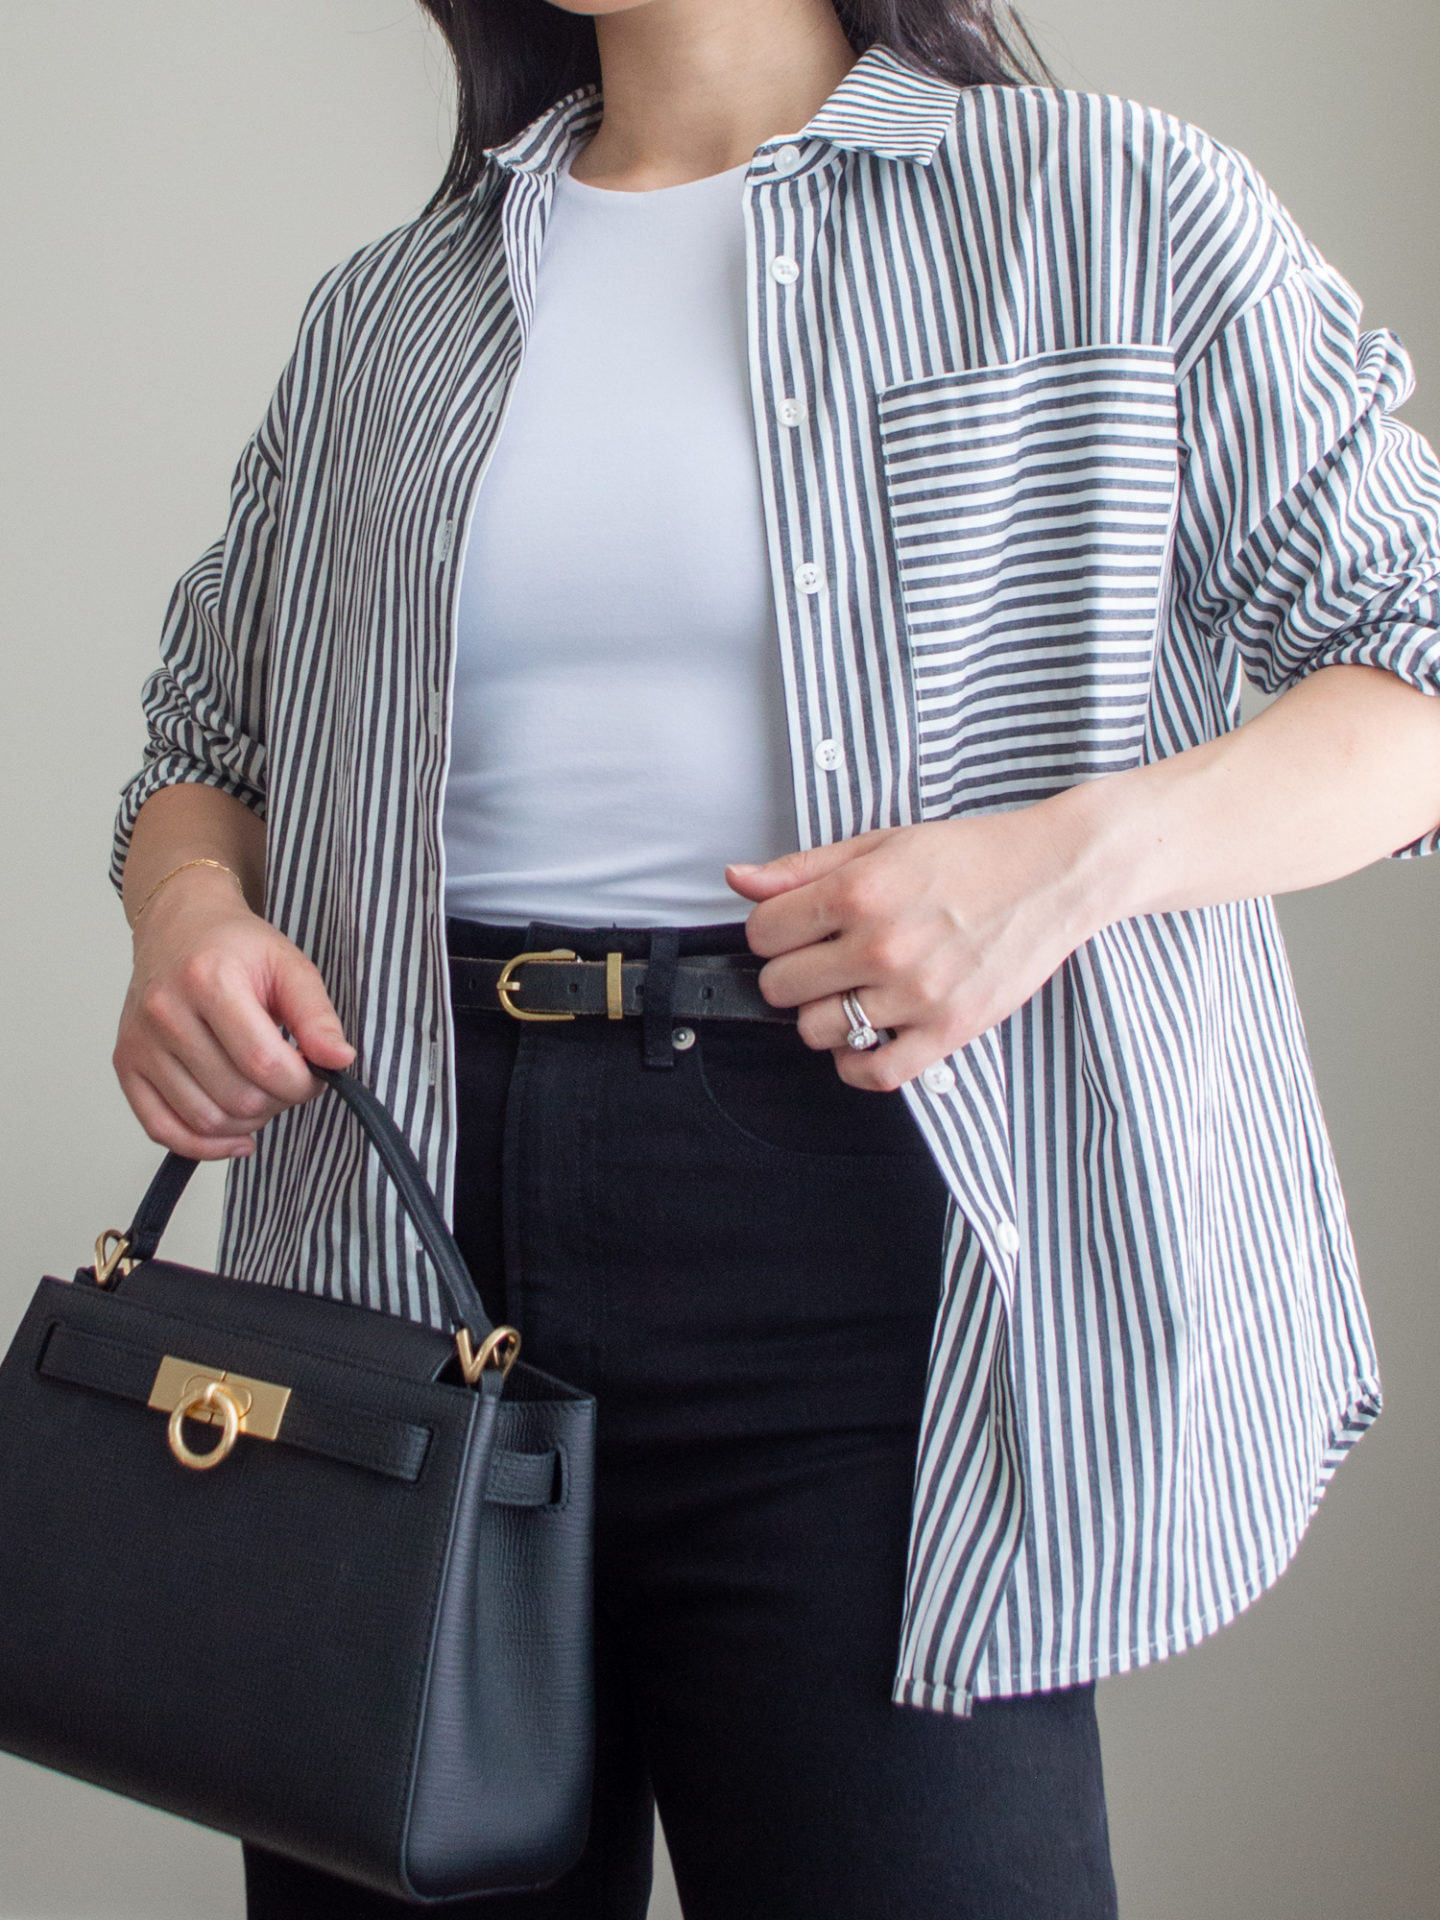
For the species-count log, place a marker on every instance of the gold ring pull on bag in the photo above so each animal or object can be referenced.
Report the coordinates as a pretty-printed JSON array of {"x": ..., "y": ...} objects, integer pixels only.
[{"x": 310, "y": 1574}]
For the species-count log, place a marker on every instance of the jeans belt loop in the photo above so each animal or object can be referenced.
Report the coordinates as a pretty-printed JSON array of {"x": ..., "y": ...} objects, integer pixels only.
[{"x": 657, "y": 1018}]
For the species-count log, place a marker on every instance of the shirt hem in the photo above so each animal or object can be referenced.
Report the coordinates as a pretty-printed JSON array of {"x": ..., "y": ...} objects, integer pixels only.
[{"x": 1357, "y": 1414}]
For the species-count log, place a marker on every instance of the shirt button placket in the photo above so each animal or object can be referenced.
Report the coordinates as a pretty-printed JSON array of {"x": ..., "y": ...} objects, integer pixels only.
[{"x": 791, "y": 411}]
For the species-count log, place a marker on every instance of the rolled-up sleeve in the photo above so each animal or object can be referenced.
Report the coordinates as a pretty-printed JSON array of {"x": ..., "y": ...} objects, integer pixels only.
[
  {"x": 1308, "y": 526},
  {"x": 204, "y": 705}
]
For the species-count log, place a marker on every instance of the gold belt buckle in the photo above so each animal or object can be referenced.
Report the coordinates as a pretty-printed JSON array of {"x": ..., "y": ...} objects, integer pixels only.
[{"x": 507, "y": 984}]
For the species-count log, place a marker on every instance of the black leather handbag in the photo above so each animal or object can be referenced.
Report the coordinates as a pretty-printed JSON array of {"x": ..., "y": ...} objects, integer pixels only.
[{"x": 308, "y": 1573}]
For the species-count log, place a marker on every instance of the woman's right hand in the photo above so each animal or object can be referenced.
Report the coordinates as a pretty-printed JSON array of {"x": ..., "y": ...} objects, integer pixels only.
[{"x": 200, "y": 1054}]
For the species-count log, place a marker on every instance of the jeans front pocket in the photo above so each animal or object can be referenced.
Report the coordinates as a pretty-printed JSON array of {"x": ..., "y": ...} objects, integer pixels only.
[{"x": 781, "y": 1096}]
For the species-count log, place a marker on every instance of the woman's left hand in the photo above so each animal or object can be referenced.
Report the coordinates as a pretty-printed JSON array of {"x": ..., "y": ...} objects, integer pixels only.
[
  {"x": 945, "y": 928},
  {"x": 940, "y": 930}
]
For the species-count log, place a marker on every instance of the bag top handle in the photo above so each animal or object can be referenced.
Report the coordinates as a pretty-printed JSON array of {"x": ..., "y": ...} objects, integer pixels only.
[{"x": 467, "y": 1311}]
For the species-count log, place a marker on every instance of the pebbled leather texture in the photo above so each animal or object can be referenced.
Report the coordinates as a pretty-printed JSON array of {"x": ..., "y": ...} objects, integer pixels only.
[
  {"x": 513, "y": 1625},
  {"x": 365, "y": 1644},
  {"x": 127, "y": 1369},
  {"x": 387, "y": 1677}
]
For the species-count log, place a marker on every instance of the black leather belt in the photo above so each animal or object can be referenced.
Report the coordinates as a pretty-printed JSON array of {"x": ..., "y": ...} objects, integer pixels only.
[{"x": 557, "y": 986}]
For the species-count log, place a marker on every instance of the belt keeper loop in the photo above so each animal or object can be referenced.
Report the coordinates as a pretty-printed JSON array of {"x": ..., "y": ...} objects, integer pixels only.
[
  {"x": 614, "y": 986},
  {"x": 658, "y": 1013}
]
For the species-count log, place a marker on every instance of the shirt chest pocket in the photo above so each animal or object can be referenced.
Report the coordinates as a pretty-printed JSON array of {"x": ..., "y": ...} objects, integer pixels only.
[{"x": 1031, "y": 509}]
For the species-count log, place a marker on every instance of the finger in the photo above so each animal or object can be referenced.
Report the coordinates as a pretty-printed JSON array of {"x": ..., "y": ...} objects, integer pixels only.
[
  {"x": 248, "y": 1032},
  {"x": 242, "y": 1104},
  {"x": 816, "y": 972},
  {"x": 301, "y": 1003},
  {"x": 773, "y": 877},
  {"x": 170, "y": 1073},
  {"x": 884, "y": 1069},
  {"x": 167, "y": 1129},
  {"x": 794, "y": 920},
  {"x": 825, "y": 1025}
]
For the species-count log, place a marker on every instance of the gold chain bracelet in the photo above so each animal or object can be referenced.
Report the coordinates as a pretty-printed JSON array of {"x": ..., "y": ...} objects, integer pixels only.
[{"x": 220, "y": 864}]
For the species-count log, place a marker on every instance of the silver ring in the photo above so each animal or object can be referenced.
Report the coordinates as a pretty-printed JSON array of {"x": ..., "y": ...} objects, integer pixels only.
[{"x": 862, "y": 1036}]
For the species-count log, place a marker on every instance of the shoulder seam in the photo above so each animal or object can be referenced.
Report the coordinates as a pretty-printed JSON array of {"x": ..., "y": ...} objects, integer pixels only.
[{"x": 337, "y": 279}]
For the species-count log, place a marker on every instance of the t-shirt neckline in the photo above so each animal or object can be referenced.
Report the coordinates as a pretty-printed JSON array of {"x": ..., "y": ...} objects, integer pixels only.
[{"x": 647, "y": 193}]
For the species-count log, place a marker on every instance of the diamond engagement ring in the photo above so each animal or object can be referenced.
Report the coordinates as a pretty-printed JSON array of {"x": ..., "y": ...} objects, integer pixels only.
[{"x": 862, "y": 1036}]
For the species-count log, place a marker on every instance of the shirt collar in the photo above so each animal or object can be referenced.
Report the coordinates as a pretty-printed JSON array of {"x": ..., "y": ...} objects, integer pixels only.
[{"x": 882, "y": 106}]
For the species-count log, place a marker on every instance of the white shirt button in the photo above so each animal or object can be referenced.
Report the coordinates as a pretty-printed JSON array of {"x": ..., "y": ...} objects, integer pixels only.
[
  {"x": 784, "y": 269},
  {"x": 807, "y": 577},
  {"x": 786, "y": 159},
  {"x": 828, "y": 755},
  {"x": 682, "y": 1038},
  {"x": 791, "y": 412},
  {"x": 1007, "y": 1236},
  {"x": 938, "y": 1079}
]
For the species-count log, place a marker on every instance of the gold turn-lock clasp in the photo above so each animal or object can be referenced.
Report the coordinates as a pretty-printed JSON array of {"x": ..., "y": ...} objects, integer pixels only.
[
  {"x": 208, "y": 1402},
  {"x": 498, "y": 1350},
  {"x": 507, "y": 985},
  {"x": 212, "y": 1396}
]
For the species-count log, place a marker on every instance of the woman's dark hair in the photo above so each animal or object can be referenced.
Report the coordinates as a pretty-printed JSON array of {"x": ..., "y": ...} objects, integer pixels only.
[{"x": 514, "y": 58}]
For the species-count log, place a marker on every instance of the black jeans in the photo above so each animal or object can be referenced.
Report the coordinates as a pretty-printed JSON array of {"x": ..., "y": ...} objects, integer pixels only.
[{"x": 740, "y": 1256}]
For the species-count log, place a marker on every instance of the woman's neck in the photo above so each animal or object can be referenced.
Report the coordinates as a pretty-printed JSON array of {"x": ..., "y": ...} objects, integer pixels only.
[{"x": 692, "y": 88}]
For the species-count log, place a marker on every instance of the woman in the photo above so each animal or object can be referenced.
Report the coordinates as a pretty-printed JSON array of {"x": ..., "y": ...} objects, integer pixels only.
[{"x": 893, "y": 461}]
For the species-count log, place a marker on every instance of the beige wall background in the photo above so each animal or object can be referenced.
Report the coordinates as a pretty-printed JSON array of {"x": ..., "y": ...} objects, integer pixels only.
[{"x": 176, "y": 176}]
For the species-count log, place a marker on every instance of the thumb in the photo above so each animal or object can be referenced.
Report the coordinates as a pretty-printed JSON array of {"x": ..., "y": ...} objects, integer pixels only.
[
  {"x": 302, "y": 1004},
  {"x": 791, "y": 870}
]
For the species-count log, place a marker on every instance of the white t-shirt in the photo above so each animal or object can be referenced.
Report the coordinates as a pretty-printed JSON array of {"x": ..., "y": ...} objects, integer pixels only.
[{"x": 618, "y": 727}]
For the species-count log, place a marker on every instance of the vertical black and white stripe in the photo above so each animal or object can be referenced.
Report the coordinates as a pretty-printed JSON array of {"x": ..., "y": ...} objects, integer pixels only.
[{"x": 1089, "y": 433}]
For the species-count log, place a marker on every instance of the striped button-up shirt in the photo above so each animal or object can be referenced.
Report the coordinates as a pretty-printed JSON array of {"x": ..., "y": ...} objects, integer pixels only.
[{"x": 1088, "y": 433}]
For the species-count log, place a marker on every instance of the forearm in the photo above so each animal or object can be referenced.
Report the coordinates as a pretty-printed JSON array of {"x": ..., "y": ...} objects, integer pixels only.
[
  {"x": 192, "y": 822},
  {"x": 1337, "y": 773}
]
